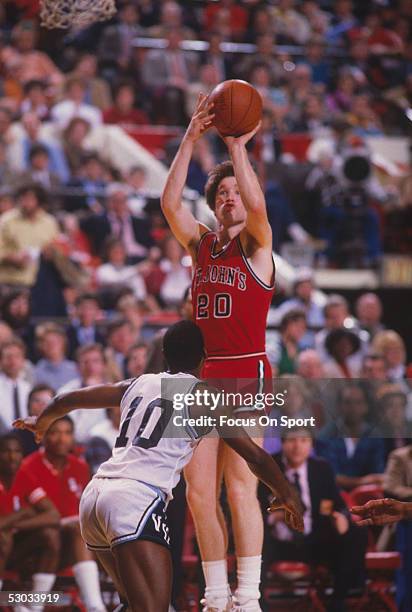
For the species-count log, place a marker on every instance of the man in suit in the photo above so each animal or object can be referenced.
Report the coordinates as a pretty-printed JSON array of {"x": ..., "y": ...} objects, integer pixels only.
[
  {"x": 120, "y": 223},
  {"x": 83, "y": 328},
  {"x": 116, "y": 44},
  {"x": 14, "y": 388},
  {"x": 329, "y": 536},
  {"x": 166, "y": 74}
]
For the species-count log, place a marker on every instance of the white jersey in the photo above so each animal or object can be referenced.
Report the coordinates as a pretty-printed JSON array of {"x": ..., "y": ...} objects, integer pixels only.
[{"x": 150, "y": 447}]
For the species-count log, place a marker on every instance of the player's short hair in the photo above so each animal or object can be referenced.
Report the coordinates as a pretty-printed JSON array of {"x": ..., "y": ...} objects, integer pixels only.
[
  {"x": 183, "y": 346},
  {"x": 217, "y": 174}
]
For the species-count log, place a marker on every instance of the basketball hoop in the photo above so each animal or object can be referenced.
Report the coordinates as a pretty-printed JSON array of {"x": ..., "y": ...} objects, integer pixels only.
[{"x": 74, "y": 13}]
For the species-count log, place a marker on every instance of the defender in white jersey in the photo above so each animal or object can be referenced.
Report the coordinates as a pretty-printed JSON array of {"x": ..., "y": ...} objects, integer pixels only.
[{"x": 122, "y": 510}]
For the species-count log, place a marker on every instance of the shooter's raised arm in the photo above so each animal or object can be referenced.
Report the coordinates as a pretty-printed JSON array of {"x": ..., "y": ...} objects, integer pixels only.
[
  {"x": 181, "y": 221},
  {"x": 257, "y": 223}
]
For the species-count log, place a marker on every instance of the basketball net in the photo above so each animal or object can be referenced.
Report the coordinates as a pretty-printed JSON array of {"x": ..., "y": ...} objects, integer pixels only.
[{"x": 74, "y": 13}]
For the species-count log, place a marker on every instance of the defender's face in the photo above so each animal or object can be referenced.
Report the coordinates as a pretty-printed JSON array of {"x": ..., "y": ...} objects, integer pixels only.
[{"x": 229, "y": 208}]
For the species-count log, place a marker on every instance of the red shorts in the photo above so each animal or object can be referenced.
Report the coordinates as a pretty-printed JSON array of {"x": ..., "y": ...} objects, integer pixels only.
[{"x": 248, "y": 375}]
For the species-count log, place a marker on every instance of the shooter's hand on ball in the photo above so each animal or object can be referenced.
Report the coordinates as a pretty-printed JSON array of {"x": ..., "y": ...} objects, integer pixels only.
[
  {"x": 231, "y": 141},
  {"x": 293, "y": 512},
  {"x": 201, "y": 119},
  {"x": 382, "y": 512}
]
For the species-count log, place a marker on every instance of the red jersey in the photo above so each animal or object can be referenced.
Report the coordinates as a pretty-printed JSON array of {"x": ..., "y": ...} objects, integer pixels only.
[
  {"x": 25, "y": 491},
  {"x": 230, "y": 303},
  {"x": 64, "y": 488}
]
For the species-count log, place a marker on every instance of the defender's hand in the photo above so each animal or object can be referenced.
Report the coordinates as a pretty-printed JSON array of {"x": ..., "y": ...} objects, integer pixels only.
[
  {"x": 231, "y": 141},
  {"x": 293, "y": 512},
  {"x": 380, "y": 512},
  {"x": 37, "y": 425},
  {"x": 201, "y": 120}
]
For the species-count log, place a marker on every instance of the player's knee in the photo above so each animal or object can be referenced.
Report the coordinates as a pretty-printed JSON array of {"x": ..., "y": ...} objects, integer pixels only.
[
  {"x": 241, "y": 494},
  {"x": 198, "y": 500}
]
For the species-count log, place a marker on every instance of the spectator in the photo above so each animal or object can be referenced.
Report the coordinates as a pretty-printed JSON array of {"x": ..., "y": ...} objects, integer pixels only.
[
  {"x": 290, "y": 26},
  {"x": 6, "y": 176},
  {"x": 115, "y": 274},
  {"x": 341, "y": 344},
  {"x": 336, "y": 313},
  {"x": 306, "y": 298},
  {"x": 116, "y": 44},
  {"x": 374, "y": 367},
  {"x": 35, "y": 99},
  {"x": 390, "y": 344},
  {"x": 26, "y": 62},
  {"x": 39, "y": 171},
  {"x": 120, "y": 338},
  {"x": 124, "y": 111},
  {"x": 14, "y": 389},
  {"x": 283, "y": 353},
  {"x": 53, "y": 369},
  {"x": 97, "y": 90},
  {"x": 28, "y": 519},
  {"x": 362, "y": 117},
  {"x": 176, "y": 273},
  {"x": 340, "y": 100},
  {"x": 214, "y": 56},
  {"x": 390, "y": 408},
  {"x": 260, "y": 23},
  {"x": 74, "y": 147},
  {"x": 166, "y": 74},
  {"x": 309, "y": 365},
  {"x": 84, "y": 326},
  {"x": 102, "y": 439},
  {"x": 343, "y": 21},
  {"x": 315, "y": 58},
  {"x": 356, "y": 457},
  {"x": 25, "y": 231},
  {"x": 87, "y": 190},
  {"x": 39, "y": 398},
  {"x": 16, "y": 312},
  {"x": 208, "y": 79},
  {"x": 91, "y": 364},
  {"x": 129, "y": 308},
  {"x": 329, "y": 535},
  {"x": 312, "y": 117},
  {"x": 117, "y": 221},
  {"x": 136, "y": 181},
  {"x": 63, "y": 477},
  {"x": 72, "y": 106},
  {"x": 33, "y": 134},
  {"x": 171, "y": 18},
  {"x": 265, "y": 55},
  {"x": 368, "y": 309},
  {"x": 136, "y": 360},
  {"x": 237, "y": 17}
]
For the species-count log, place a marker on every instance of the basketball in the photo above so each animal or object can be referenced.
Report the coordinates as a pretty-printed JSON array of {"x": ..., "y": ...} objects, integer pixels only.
[{"x": 237, "y": 107}]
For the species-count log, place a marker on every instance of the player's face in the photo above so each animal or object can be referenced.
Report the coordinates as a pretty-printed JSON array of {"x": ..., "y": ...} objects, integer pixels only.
[
  {"x": 229, "y": 208},
  {"x": 11, "y": 455},
  {"x": 59, "y": 439}
]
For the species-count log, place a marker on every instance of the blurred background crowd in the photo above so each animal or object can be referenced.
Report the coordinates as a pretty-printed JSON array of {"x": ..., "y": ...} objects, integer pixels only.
[{"x": 90, "y": 274}]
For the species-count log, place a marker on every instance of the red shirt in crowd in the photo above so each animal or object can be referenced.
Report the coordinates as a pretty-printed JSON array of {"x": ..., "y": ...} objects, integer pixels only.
[
  {"x": 133, "y": 117},
  {"x": 25, "y": 491},
  {"x": 64, "y": 488}
]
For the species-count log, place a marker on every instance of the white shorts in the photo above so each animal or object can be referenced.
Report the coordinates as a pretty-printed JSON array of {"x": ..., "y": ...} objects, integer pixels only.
[{"x": 117, "y": 510}]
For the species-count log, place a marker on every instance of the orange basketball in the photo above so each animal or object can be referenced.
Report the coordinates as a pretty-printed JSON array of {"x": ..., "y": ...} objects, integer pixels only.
[{"x": 237, "y": 107}]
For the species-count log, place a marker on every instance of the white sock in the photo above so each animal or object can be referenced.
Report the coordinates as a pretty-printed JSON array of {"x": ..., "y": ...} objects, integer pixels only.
[
  {"x": 217, "y": 585},
  {"x": 42, "y": 582},
  {"x": 86, "y": 575},
  {"x": 248, "y": 578}
]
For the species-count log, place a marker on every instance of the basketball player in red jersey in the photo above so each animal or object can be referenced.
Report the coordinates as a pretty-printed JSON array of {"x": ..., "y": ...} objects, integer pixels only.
[{"x": 233, "y": 284}]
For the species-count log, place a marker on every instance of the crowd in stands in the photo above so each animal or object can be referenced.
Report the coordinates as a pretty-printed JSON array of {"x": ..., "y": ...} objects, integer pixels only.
[{"x": 87, "y": 262}]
